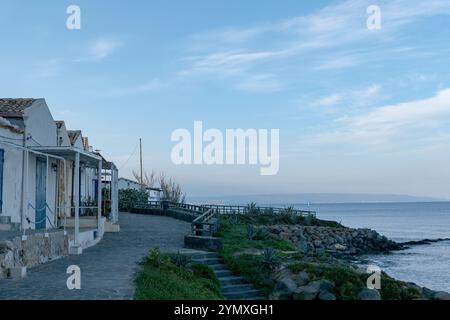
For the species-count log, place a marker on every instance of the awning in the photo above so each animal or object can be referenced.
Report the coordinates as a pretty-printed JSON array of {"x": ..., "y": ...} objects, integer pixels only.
[{"x": 69, "y": 153}]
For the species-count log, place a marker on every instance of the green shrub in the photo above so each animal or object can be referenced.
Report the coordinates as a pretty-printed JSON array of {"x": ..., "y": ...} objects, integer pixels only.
[
  {"x": 270, "y": 259},
  {"x": 204, "y": 271},
  {"x": 250, "y": 232},
  {"x": 161, "y": 279},
  {"x": 130, "y": 197},
  {"x": 180, "y": 260}
]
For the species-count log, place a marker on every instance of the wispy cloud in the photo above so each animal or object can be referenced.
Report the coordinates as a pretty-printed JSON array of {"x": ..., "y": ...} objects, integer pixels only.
[
  {"x": 261, "y": 83},
  {"x": 150, "y": 86},
  {"x": 351, "y": 98},
  {"x": 419, "y": 119},
  {"x": 100, "y": 49},
  {"x": 236, "y": 52}
]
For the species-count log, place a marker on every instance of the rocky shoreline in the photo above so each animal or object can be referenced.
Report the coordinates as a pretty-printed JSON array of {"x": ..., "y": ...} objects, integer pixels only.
[{"x": 344, "y": 245}]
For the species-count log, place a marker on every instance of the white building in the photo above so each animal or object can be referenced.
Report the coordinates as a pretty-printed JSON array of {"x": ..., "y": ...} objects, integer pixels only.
[
  {"x": 125, "y": 183},
  {"x": 48, "y": 171}
]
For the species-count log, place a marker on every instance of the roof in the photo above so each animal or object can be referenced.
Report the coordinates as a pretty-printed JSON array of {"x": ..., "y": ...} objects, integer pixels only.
[
  {"x": 14, "y": 107},
  {"x": 59, "y": 124},
  {"x": 73, "y": 135},
  {"x": 128, "y": 180}
]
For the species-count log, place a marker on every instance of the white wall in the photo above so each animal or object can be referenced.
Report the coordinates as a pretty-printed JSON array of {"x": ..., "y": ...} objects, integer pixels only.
[
  {"x": 12, "y": 175},
  {"x": 125, "y": 184},
  {"x": 63, "y": 136},
  {"x": 40, "y": 124}
]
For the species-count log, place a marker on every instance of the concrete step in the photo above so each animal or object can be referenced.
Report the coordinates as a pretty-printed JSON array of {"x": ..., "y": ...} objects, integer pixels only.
[
  {"x": 5, "y": 227},
  {"x": 237, "y": 288},
  {"x": 223, "y": 273},
  {"x": 200, "y": 256},
  {"x": 219, "y": 267},
  {"x": 208, "y": 261},
  {"x": 226, "y": 281},
  {"x": 245, "y": 295}
]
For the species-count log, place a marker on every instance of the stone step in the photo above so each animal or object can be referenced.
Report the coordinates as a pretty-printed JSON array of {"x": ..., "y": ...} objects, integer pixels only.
[
  {"x": 208, "y": 261},
  {"x": 223, "y": 273},
  {"x": 196, "y": 254},
  {"x": 199, "y": 256},
  {"x": 237, "y": 288},
  {"x": 226, "y": 281},
  {"x": 219, "y": 267},
  {"x": 5, "y": 227},
  {"x": 244, "y": 295}
]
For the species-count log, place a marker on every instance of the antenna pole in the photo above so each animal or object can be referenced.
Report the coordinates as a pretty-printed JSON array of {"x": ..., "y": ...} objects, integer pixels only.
[{"x": 142, "y": 177}]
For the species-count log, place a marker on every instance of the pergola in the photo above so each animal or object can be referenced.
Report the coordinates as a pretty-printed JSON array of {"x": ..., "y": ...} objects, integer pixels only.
[{"x": 88, "y": 159}]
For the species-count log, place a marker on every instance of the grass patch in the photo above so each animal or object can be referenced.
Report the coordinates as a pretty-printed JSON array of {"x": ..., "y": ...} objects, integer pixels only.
[
  {"x": 348, "y": 282},
  {"x": 255, "y": 268},
  {"x": 169, "y": 277}
]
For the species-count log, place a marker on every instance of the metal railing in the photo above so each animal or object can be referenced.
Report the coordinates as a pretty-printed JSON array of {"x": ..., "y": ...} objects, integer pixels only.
[
  {"x": 223, "y": 209},
  {"x": 229, "y": 209},
  {"x": 206, "y": 224}
]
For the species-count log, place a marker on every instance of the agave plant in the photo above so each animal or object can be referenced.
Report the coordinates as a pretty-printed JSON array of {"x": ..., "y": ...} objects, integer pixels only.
[
  {"x": 270, "y": 259},
  {"x": 180, "y": 260},
  {"x": 250, "y": 232},
  {"x": 262, "y": 234},
  {"x": 233, "y": 219}
]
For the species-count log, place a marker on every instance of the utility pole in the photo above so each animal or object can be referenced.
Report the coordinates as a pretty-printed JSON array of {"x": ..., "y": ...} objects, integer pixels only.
[{"x": 142, "y": 177}]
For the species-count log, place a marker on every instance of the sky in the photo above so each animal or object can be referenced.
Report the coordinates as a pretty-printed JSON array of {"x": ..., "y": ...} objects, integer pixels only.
[{"x": 359, "y": 110}]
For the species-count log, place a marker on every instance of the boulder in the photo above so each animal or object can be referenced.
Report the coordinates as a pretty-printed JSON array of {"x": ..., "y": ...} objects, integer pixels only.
[
  {"x": 340, "y": 247},
  {"x": 6, "y": 246},
  {"x": 325, "y": 295},
  {"x": 301, "y": 278},
  {"x": 305, "y": 293},
  {"x": 284, "y": 281},
  {"x": 280, "y": 295},
  {"x": 442, "y": 296},
  {"x": 312, "y": 290},
  {"x": 369, "y": 294}
]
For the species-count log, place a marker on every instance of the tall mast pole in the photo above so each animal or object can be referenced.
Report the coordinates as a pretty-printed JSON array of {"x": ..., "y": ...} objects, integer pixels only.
[{"x": 142, "y": 177}]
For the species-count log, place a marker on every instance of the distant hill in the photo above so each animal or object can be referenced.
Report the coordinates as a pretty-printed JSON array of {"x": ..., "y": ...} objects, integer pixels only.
[{"x": 304, "y": 198}]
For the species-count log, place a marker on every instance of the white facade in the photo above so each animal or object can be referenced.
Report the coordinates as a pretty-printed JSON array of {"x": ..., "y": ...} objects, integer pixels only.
[
  {"x": 40, "y": 129},
  {"x": 128, "y": 184},
  {"x": 12, "y": 173},
  {"x": 47, "y": 170}
]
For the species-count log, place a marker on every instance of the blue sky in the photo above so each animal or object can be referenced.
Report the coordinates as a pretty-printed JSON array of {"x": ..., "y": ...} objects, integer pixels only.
[{"x": 358, "y": 110}]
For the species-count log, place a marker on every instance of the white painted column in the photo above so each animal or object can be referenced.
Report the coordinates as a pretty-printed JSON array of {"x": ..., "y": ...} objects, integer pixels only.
[
  {"x": 99, "y": 193},
  {"x": 76, "y": 249},
  {"x": 25, "y": 191},
  {"x": 47, "y": 184}
]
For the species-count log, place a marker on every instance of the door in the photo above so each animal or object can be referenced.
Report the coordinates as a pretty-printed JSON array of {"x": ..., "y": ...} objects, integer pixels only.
[{"x": 41, "y": 192}]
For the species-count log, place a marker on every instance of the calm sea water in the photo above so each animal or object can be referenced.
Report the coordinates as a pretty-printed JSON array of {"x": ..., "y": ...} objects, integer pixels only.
[{"x": 427, "y": 265}]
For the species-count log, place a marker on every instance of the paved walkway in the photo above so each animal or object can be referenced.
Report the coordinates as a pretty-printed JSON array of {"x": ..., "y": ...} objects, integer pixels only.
[{"x": 107, "y": 269}]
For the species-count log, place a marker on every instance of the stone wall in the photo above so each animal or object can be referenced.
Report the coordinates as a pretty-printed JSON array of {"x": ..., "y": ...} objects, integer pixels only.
[
  {"x": 334, "y": 240},
  {"x": 37, "y": 249}
]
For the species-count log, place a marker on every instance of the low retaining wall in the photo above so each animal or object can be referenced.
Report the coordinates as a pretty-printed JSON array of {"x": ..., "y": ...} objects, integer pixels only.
[
  {"x": 37, "y": 249},
  {"x": 202, "y": 243}
]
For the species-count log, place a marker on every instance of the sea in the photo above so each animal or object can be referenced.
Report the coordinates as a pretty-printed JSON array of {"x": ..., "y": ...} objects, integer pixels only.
[{"x": 425, "y": 265}]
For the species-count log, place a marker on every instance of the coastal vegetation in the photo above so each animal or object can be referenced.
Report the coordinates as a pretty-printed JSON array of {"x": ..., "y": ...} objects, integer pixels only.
[
  {"x": 290, "y": 256},
  {"x": 175, "y": 277},
  {"x": 129, "y": 197}
]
